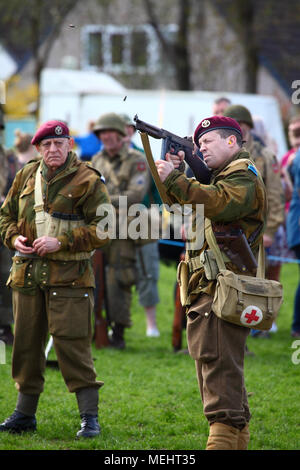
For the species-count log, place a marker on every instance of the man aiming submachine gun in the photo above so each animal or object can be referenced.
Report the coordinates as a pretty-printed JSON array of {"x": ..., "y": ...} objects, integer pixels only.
[
  {"x": 172, "y": 143},
  {"x": 232, "y": 241}
]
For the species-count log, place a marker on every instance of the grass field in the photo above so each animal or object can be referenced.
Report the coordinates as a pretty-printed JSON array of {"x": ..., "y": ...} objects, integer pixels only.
[{"x": 150, "y": 399}]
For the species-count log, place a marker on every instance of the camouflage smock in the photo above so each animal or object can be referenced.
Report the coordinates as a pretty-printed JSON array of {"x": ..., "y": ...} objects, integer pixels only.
[
  {"x": 126, "y": 174},
  {"x": 75, "y": 189},
  {"x": 236, "y": 196}
]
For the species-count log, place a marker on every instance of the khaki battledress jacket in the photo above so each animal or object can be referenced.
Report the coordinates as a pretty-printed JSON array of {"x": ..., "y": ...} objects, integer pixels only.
[{"x": 76, "y": 190}]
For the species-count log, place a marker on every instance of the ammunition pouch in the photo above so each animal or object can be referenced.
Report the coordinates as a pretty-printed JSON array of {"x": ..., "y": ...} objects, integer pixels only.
[
  {"x": 183, "y": 280},
  {"x": 208, "y": 262},
  {"x": 210, "y": 265}
]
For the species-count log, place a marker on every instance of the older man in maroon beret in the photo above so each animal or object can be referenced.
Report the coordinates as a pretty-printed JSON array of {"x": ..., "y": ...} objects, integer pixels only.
[
  {"x": 49, "y": 218},
  {"x": 235, "y": 197}
]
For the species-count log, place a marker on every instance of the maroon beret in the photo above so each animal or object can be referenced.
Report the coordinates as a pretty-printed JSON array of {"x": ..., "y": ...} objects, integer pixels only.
[
  {"x": 214, "y": 123},
  {"x": 50, "y": 130}
]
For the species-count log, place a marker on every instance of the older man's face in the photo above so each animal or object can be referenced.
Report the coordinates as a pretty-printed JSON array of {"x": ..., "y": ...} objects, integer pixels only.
[{"x": 55, "y": 151}]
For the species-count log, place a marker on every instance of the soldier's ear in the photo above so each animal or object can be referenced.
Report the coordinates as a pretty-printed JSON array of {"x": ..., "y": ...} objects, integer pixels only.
[
  {"x": 231, "y": 140},
  {"x": 71, "y": 142}
]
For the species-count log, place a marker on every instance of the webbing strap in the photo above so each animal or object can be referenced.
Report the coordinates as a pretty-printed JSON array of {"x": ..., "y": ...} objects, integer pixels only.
[{"x": 40, "y": 218}]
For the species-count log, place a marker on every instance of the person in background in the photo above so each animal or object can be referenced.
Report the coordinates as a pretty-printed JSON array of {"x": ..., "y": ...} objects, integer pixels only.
[
  {"x": 7, "y": 173},
  {"x": 219, "y": 105},
  {"x": 147, "y": 252},
  {"x": 24, "y": 151},
  {"x": 294, "y": 140},
  {"x": 293, "y": 234},
  {"x": 266, "y": 162},
  {"x": 287, "y": 159},
  {"x": 88, "y": 144},
  {"x": 127, "y": 177}
]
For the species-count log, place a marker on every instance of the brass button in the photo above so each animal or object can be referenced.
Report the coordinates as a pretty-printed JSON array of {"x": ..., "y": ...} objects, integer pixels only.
[{"x": 206, "y": 314}]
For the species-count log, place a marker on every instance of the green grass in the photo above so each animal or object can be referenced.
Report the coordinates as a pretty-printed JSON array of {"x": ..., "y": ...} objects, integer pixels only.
[{"x": 150, "y": 399}]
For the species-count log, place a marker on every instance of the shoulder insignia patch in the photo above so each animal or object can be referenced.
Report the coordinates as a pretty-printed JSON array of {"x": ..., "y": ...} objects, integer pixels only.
[
  {"x": 253, "y": 169},
  {"x": 141, "y": 166}
]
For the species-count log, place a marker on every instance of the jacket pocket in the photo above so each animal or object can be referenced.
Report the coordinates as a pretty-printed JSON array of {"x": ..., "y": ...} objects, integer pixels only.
[
  {"x": 18, "y": 271},
  {"x": 70, "y": 312}
]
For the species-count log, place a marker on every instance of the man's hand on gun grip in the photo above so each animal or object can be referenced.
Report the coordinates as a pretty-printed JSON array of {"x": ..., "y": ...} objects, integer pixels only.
[
  {"x": 176, "y": 159},
  {"x": 164, "y": 168}
]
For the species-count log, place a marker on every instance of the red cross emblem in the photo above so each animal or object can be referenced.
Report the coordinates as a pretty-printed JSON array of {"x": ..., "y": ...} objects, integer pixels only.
[{"x": 251, "y": 316}]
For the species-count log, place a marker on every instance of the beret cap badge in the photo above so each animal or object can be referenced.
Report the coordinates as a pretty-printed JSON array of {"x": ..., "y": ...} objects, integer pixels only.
[
  {"x": 205, "y": 123},
  {"x": 58, "y": 130}
]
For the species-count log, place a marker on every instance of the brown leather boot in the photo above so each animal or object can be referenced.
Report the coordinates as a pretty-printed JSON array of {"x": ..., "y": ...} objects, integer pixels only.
[
  {"x": 243, "y": 438},
  {"x": 222, "y": 437}
]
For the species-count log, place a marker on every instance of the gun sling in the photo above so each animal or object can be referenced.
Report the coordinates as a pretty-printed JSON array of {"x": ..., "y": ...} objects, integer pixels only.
[{"x": 160, "y": 187}]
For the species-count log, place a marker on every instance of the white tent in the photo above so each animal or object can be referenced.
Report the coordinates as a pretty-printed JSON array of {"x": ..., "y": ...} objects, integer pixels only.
[{"x": 72, "y": 82}]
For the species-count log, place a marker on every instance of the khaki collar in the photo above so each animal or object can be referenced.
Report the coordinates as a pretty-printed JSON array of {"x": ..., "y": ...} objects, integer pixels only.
[
  {"x": 242, "y": 153},
  {"x": 69, "y": 164}
]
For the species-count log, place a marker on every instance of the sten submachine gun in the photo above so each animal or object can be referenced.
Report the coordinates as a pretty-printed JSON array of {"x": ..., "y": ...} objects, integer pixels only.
[{"x": 172, "y": 143}]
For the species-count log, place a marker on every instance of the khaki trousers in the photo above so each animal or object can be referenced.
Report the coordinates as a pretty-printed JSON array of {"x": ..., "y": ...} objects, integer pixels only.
[
  {"x": 66, "y": 314},
  {"x": 218, "y": 349},
  {"x": 121, "y": 276}
]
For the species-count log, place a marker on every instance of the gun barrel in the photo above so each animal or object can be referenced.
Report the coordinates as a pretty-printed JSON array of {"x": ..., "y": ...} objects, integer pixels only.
[{"x": 143, "y": 126}]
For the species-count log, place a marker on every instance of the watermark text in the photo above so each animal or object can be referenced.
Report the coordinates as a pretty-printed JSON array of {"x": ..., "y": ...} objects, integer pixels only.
[
  {"x": 296, "y": 353},
  {"x": 138, "y": 222}
]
